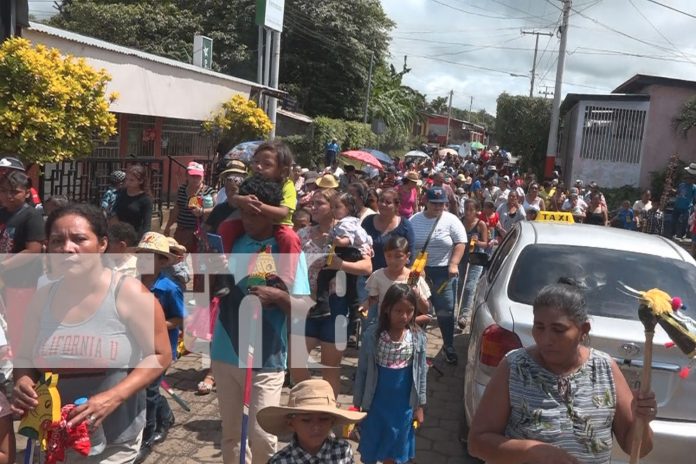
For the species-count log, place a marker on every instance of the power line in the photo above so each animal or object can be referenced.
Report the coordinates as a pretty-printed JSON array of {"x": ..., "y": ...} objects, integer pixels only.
[
  {"x": 673, "y": 9},
  {"x": 658, "y": 31},
  {"x": 621, "y": 33}
]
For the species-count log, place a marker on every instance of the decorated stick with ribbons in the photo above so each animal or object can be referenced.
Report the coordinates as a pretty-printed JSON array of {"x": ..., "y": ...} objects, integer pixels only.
[{"x": 657, "y": 307}]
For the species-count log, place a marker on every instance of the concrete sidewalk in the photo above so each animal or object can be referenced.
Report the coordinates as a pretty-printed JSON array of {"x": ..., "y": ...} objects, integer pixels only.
[{"x": 196, "y": 436}]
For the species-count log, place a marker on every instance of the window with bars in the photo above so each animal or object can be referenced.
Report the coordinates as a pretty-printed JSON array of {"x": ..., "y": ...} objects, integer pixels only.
[
  {"x": 141, "y": 136},
  {"x": 182, "y": 137},
  {"x": 612, "y": 134}
]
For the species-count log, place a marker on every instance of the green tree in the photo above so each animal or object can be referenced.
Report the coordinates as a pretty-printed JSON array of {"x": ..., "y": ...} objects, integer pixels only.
[
  {"x": 686, "y": 119},
  {"x": 238, "y": 120},
  {"x": 522, "y": 126},
  {"x": 51, "y": 107},
  {"x": 325, "y": 51},
  {"x": 397, "y": 105},
  {"x": 439, "y": 105}
]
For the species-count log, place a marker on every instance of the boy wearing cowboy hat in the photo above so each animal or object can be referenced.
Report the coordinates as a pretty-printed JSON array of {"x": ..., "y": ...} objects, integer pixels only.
[
  {"x": 310, "y": 416},
  {"x": 158, "y": 415}
]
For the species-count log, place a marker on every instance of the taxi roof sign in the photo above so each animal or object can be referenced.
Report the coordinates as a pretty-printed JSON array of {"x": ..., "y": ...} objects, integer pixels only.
[{"x": 555, "y": 216}]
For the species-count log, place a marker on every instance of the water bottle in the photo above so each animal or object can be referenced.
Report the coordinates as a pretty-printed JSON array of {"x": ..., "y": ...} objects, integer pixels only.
[
  {"x": 208, "y": 201},
  {"x": 96, "y": 434}
]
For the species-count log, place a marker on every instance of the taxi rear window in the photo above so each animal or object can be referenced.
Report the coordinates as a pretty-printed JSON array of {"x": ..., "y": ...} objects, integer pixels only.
[{"x": 599, "y": 271}]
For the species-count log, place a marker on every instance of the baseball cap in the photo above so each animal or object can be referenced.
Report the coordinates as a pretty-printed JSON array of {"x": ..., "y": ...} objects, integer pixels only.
[
  {"x": 573, "y": 191},
  {"x": 437, "y": 195},
  {"x": 195, "y": 169}
]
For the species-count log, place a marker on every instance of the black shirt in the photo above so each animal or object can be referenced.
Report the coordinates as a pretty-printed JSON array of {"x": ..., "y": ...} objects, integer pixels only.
[
  {"x": 16, "y": 229},
  {"x": 134, "y": 210}
]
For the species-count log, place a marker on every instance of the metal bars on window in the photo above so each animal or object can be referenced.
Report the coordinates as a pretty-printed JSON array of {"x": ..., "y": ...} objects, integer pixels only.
[{"x": 612, "y": 134}]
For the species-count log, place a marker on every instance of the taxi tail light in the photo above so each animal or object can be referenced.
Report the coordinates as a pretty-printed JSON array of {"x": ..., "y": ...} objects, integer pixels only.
[{"x": 496, "y": 342}]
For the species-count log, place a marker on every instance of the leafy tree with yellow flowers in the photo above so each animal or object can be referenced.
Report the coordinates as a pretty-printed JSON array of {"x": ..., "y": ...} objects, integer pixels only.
[
  {"x": 239, "y": 120},
  {"x": 52, "y": 107}
]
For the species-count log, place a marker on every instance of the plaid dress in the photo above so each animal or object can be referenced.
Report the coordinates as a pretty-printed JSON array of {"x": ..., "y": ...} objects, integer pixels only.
[{"x": 333, "y": 451}]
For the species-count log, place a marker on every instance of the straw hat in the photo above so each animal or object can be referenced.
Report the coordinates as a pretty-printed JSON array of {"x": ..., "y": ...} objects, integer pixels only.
[
  {"x": 327, "y": 181},
  {"x": 413, "y": 177},
  {"x": 153, "y": 242},
  {"x": 234, "y": 167},
  {"x": 175, "y": 247},
  {"x": 307, "y": 397}
]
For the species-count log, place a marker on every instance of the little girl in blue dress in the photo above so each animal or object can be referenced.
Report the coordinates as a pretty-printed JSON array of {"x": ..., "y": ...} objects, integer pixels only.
[{"x": 390, "y": 384}]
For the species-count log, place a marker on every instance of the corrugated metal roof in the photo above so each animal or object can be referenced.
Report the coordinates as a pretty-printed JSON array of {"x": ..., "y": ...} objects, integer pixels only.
[
  {"x": 293, "y": 115},
  {"x": 92, "y": 42}
]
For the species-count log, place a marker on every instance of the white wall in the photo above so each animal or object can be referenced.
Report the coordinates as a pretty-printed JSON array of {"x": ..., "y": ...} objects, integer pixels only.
[
  {"x": 149, "y": 88},
  {"x": 607, "y": 174}
]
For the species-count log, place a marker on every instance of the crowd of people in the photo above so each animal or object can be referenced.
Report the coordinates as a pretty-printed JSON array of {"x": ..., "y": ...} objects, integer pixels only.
[{"x": 312, "y": 259}]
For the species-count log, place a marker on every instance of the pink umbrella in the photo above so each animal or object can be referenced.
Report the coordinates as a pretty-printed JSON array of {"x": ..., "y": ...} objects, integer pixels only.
[{"x": 361, "y": 157}]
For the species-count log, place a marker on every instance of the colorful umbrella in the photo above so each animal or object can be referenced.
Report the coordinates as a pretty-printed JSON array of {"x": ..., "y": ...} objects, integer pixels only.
[
  {"x": 361, "y": 158},
  {"x": 244, "y": 151},
  {"x": 447, "y": 151},
  {"x": 477, "y": 145},
  {"x": 416, "y": 154},
  {"x": 382, "y": 157}
]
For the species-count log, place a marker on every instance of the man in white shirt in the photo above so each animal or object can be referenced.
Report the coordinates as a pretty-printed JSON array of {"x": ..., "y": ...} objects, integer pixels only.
[{"x": 501, "y": 195}]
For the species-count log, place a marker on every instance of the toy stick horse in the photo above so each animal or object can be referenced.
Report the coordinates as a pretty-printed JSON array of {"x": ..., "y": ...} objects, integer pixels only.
[
  {"x": 657, "y": 307},
  {"x": 36, "y": 422}
]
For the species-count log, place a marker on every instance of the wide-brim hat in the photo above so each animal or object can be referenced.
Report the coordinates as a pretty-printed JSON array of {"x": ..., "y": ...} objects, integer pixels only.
[
  {"x": 154, "y": 242},
  {"x": 413, "y": 177},
  {"x": 234, "y": 167},
  {"x": 327, "y": 181},
  {"x": 307, "y": 397},
  {"x": 175, "y": 247},
  {"x": 691, "y": 168}
]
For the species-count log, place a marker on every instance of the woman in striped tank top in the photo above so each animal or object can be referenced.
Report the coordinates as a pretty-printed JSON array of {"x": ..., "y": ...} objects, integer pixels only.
[{"x": 558, "y": 401}]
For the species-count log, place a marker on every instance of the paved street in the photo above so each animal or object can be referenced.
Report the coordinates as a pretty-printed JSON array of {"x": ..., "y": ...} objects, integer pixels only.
[{"x": 196, "y": 436}]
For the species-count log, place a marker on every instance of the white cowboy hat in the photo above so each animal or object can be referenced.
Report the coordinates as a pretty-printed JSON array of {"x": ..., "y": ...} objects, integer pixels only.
[
  {"x": 307, "y": 397},
  {"x": 691, "y": 168}
]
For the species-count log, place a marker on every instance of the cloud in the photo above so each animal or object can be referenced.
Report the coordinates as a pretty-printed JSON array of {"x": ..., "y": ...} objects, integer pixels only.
[{"x": 473, "y": 46}]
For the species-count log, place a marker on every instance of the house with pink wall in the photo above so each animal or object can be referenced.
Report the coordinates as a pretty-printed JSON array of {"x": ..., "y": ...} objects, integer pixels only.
[{"x": 619, "y": 138}]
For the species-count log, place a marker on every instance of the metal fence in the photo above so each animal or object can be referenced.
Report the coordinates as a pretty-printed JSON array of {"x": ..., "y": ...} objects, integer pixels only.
[{"x": 87, "y": 179}]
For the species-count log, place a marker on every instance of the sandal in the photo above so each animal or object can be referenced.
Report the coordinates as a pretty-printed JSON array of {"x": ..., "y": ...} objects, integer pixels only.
[{"x": 206, "y": 385}]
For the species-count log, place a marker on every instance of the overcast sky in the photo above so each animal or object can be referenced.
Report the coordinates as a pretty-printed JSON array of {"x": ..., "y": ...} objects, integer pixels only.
[
  {"x": 475, "y": 47},
  {"x": 445, "y": 44}
]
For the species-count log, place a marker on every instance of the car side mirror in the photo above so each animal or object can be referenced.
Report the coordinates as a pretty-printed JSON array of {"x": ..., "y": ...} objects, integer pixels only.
[{"x": 479, "y": 258}]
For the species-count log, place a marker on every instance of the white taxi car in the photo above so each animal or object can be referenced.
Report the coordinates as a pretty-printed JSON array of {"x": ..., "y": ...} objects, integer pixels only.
[{"x": 535, "y": 254}]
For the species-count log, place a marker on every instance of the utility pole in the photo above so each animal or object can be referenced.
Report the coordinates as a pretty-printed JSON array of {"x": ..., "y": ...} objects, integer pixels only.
[
  {"x": 273, "y": 102},
  {"x": 267, "y": 64},
  {"x": 552, "y": 145},
  {"x": 471, "y": 103},
  {"x": 259, "y": 66},
  {"x": 369, "y": 87},
  {"x": 536, "y": 50},
  {"x": 449, "y": 116},
  {"x": 545, "y": 92}
]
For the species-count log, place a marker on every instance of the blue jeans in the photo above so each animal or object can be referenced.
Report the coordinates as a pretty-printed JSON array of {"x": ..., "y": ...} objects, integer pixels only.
[
  {"x": 157, "y": 410},
  {"x": 329, "y": 158},
  {"x": 680, "y": 217},
  {"x": 472, "y": 279},
  {"x": 442, "y": 289}
]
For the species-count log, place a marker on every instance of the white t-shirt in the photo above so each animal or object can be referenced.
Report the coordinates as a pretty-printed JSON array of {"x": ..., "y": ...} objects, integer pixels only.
[
  {"x": 639, "y": 207},
  {"x": 378, "y": 284},
  {"x": 449, "y": 232}
]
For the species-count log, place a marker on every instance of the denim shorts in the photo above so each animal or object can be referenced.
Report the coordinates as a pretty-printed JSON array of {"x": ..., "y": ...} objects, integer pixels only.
[{"x": 332, "y": 329}]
